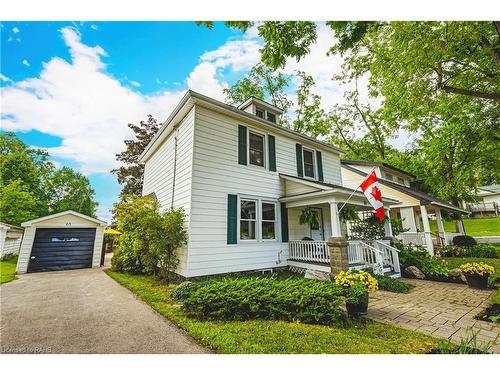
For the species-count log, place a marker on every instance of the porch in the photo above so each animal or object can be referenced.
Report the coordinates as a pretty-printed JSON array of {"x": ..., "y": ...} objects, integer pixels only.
[
  {"x": 416, "y": 223},
  {"x": 307, "y": 241}
]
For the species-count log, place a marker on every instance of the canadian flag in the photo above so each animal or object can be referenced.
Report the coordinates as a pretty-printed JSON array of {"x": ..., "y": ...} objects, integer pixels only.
[{"x": 373, "y": 194}]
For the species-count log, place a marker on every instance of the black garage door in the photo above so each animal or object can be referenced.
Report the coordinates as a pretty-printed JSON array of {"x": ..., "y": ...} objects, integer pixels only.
[{"x": 59, "y": 249}]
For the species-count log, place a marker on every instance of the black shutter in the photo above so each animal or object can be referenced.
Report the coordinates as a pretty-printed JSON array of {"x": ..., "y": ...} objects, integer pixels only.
[
  {"x": 284, "y": 223},
  {"x": 319, "y": 161},
  {"x": 232, "y": 219},
  {"x": 298, "y": 152},
  {"x": 272, "y": 152},
  {"x": 242, "y": 145}
]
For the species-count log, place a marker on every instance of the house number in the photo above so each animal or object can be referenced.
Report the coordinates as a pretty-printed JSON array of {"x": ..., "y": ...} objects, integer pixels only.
[{"x": 68, "y": 224}]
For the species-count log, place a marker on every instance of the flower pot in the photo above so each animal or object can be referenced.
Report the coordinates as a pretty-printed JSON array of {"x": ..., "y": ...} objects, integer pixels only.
[
  {"x": 477, "y": 281},
  {"x": 358, "y": 309}
]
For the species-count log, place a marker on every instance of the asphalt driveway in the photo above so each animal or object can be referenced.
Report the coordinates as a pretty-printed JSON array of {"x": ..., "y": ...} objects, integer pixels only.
[{"x": 83, "y": 311}]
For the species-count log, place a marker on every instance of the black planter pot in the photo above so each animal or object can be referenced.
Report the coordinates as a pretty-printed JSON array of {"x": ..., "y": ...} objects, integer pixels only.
[
  {"x": 477, "y": 281},
  {"x": 358, "y": 309}
]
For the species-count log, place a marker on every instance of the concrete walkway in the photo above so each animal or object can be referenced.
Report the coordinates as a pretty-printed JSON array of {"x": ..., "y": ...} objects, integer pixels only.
[
  {"x": 443, "y": 310},
  {"x": 83, "y": 311}
]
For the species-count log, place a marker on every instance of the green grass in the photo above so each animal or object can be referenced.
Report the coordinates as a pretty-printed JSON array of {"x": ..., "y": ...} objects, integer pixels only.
[
  {"x": 473, "y": 227},
  {"x": 456, "y": 262},
  {"x": 8, "y": 270},
  {"x": 268, "y": 337}
]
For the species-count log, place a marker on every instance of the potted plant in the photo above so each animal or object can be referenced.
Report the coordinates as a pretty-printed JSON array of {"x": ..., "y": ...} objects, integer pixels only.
[
  {"x": 477, "y": 274},
  {"x": 357, "y": 284}
]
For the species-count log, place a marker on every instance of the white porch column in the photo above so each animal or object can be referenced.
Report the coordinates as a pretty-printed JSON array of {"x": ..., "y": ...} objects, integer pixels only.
[
  {"x": 439, "y": 220},
  {"x": 387, "y": 223},
  {"x": 460, "y": 226},
  {"x": 408, "y": 216},
  {"x": 335, "y": 219},
  {"x": 427, "y": 230}
]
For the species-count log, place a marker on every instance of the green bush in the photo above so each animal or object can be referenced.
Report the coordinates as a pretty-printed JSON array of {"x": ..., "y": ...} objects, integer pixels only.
[
  {"x": 291, "y": 299},
  {"x": 419, "y": 257},
  {"x": 477, "y": 251},
  {"x": 182, "y": 291},
  {"x": 392, "y": 285},
  {"x": 464, "y": 241}
]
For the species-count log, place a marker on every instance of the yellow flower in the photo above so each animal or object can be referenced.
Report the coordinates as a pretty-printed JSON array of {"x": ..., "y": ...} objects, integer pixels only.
[
  {"x": 477, "y": 268},
  {"x": 349, "y": 278}
]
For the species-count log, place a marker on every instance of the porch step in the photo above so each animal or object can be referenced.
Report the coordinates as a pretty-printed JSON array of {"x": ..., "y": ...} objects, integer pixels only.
[{"x": 393, "y": 274}]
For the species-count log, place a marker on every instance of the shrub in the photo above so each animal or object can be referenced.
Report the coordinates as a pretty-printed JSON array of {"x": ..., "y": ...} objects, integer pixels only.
[
  {"x": 185, "y": 289},
  {"x": 392, "y": 285},
  {"x": 150, "y": 238},
  {"x": 291, "y": 299},
  {"x": 477, "y": 251},
  {"x": 464, "y": 241},
  {"x": 419, "y": 257}
]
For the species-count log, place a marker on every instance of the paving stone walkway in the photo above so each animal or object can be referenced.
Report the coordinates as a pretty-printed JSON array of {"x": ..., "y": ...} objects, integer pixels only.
[{"x": 443, "y": 310}]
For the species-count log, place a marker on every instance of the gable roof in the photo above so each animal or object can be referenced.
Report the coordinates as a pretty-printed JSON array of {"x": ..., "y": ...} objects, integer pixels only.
[
  {"x": 375, "y": 164},
  {"x": 488, "y": 190},
  {"x": 191, "y": 98},
  {"x": 10, "y": 226},
  {"x": 71, "y": 212},
  {"x": 424, "y": 198}
]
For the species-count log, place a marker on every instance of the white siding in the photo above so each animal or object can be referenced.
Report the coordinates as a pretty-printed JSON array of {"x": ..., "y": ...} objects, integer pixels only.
[
  {"x": 159, "y": 172},
  {"x": 64, "y": 221}
]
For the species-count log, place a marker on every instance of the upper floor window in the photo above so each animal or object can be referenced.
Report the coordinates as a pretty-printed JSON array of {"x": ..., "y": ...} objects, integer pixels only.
[
  {"x": 308, "y": 156},
  {"x": 388, "y": 176},
  {"x": 401, "y": 180},
  {"x": 256, "y": 149},
  {"x": 259, "y": 112},
  {"x": 271, "y": 117}
]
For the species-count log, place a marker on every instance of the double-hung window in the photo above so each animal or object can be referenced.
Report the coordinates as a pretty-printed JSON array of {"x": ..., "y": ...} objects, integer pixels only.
[
  {"x": 256, "y": 149},
  {"x": 268, "y": 221},
  {"x": 308, "y": 156},
  {"x": 248, "y": 219}
]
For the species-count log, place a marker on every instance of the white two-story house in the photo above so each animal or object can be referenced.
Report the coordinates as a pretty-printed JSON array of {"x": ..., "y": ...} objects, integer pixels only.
[{"x": 243, "y": 182}]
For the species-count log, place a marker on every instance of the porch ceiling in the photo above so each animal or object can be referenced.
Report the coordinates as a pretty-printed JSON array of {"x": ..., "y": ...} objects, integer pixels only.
[{"x": 315, "y": 192}]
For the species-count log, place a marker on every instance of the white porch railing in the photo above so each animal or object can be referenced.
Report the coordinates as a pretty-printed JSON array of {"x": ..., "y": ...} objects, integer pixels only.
[
  {"x": 361, "y": 254},
  {"x": 412, "y": 238},
  {"x": 390, "y": 254},
  {"x": 310, "y": 251}
]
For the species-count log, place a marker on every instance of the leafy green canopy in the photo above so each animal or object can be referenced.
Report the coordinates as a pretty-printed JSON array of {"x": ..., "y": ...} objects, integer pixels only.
[{"x": 31, "y": 186}]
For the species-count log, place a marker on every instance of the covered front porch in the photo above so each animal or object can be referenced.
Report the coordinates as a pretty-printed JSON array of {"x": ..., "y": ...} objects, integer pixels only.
[
  {"x": 416, "y": 221},
  {"x": 308, "y": 241}
]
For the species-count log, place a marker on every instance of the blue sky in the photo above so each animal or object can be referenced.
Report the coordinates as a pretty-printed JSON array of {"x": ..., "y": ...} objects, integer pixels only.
[
  {"x": 152, "y": 59},
  {"x": 72, "y": 87}
]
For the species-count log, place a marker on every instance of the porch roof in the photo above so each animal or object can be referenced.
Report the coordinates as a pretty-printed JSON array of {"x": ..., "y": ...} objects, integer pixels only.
[
  {"x": 327, "y": 192},
  {"x": 424, "y": 198}
]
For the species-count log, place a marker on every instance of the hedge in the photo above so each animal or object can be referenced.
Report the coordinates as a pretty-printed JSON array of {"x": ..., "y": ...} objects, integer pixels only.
[{"x": 292, "y": 299}]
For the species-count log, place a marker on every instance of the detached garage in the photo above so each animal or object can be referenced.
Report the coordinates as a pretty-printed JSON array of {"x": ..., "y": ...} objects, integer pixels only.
[{"x": 64, "y": 241}]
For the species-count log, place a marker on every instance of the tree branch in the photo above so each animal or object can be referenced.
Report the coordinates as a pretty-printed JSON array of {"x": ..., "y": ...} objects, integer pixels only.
[{"x": 485, "y": 43}]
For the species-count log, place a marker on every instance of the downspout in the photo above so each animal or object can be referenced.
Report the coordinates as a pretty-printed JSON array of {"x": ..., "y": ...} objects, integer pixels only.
[{"x": 175, "y": 168}]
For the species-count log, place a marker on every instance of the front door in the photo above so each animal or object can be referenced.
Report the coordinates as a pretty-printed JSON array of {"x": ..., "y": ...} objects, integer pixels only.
[{"x": 317, "y": 231}]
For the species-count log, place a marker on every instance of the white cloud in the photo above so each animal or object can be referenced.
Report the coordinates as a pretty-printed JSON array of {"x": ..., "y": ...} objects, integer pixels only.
[
  {"x": 94, "y": 27},
  {"x": 203, "y": 80},
  {"x": 237, "y": 54},
  {"x": 135, "y": 83},
  {"x": 79, "y": 102},
  {"x": 15, "y": 30},
  {"x": 26, "y": 62},
  {"x": 4, "y": 78}
]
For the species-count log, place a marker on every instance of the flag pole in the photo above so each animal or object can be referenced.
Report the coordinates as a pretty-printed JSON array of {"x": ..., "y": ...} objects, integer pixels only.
[{"x": 355, "y": 190}]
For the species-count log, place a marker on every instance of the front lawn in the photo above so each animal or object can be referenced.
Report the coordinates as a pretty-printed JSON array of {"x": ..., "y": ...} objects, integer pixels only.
[
  {"x": 268, "y": 337},
  {"x": 8, "y": 270},
  {"x": 473, "y": 227}
]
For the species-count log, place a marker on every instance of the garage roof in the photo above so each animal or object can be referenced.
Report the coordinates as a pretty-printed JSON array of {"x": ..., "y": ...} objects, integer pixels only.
[{"x": 71, "y": 212}]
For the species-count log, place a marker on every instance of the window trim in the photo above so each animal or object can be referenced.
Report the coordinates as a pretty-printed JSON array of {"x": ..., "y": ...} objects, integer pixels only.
[
  {"x": 264, "y": 145},
  {"x": 256, "y": 220},
  {"x": 261, "y": 110},
  {"x": 313, "y": 152},
  {"x": 275, "y": 221},
  {"x": 258, "y": 227},
  {"x": 275, "y": 117}
]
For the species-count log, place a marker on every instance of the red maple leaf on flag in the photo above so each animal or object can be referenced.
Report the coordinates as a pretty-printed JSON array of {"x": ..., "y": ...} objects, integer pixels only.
[{"x": 376, "y": 193}]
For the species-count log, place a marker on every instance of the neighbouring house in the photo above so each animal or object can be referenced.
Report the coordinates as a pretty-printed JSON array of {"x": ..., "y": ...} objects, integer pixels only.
[
  {"x": 414, "y": 206},
  {"x": 244, "y": 181},
  {"x": 10, "y": 239},
  {"x": 489, "y": 202},
  {"x": 64, "y": 241}
]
